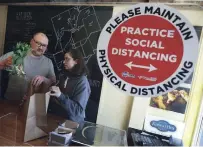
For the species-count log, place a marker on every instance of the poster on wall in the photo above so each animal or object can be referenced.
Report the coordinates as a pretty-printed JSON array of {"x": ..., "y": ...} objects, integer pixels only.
[
  {"x": 67, "y": 27},
  {"x": 175, "y": 100},
  {"x": 147, "y": 59}
]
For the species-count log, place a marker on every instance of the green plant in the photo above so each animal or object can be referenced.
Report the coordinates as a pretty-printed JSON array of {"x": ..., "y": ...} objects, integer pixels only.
[{"x": 19, "y": 52}]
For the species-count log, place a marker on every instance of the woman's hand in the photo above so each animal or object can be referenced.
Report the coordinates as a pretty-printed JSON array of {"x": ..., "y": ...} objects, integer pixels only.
[{"x": 55, "y": 91}]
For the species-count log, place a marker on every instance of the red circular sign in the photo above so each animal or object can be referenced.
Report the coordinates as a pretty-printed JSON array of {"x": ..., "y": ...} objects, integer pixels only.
[{"x": 144, "y": 47}]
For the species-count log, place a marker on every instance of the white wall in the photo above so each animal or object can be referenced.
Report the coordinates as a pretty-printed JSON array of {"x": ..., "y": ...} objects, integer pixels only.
[
  {"x": 115, "y": 106},
  {"x": 138, "y": 112}
]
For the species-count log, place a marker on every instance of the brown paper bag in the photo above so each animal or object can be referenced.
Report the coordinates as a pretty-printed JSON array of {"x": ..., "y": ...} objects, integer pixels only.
[{"x": 34, "y": 112}]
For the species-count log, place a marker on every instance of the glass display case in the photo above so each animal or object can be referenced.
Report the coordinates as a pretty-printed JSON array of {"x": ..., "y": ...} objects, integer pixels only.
[{"x": 92, "y": 134}]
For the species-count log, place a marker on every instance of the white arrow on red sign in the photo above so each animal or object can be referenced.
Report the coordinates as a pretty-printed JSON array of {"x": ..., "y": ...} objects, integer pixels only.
[{"x": 150, "y": 67}]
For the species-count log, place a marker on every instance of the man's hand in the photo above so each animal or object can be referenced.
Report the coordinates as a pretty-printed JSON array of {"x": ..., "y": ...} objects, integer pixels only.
[
  {"x": 55, "y": 91},
  {"x": 6, "y": 63},
  {"x": 38, "y": 80}
]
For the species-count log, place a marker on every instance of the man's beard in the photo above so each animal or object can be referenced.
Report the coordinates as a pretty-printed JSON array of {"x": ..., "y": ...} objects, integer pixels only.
[{"x": 37, "y": 52}]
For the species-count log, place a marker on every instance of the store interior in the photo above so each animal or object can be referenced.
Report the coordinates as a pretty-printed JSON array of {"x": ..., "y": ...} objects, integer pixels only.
[{"x": 108, "y": 109}]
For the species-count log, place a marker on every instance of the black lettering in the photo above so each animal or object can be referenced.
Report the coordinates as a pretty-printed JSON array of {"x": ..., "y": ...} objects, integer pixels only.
[
  {"x": 163, "y": 13},
  {"x": 102, "y": 52},
  {"x": 108, "y": 29},
  {"x": 180, "y": 25},
  {"x": 144, "y": 91},
  {"x": 168, "y": 85},
  {"x": 188, "y": 64},
  {"x": 118, "y": 84},
  {"x": 114, "y": 26},
  {"x": 109, "y": 75},
  {"x": 117, "y": 20},
  {"x": 184, "y": 30},
  {"x": 187, "y": 35},
  {"x": 130, "y": 12},
  {"x": 159, "y": 89},
  {"x": 123, "y": 87},
  {"x": 183, "y": 72},
  {"x": 124, "y": 17},
  {"x": 133, "y": 90},
  {"x": 169, "y": 15},
  {"x": 179, "y": 77},
  {"x": 176, "y": 18},
  {"x": 107, "y": 71},
  {"x": 173, "y": 81},
  {"x": 105, "y": 65},
  {"x": 111, "y": 79},
  {"x": 151, "y": 89},
  {"x": 149, "y": 9},
  {"x": 103, "y": 58},
  {"x": 157, "y": 11},
  {"x": 139, "y": 91},
  {"x": 137, "y": 11}
]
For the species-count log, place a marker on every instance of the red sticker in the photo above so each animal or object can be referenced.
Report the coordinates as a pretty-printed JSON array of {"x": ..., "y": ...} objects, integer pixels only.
[{"x": 142, "y": 48}]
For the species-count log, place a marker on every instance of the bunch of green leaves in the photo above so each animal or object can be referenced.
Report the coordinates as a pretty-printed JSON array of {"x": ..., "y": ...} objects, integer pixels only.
[{"x": 19, "y": 52}]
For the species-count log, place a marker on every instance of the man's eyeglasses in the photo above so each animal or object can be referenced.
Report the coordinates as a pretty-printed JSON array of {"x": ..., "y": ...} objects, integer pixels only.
[{"x": 39, "y": 44}]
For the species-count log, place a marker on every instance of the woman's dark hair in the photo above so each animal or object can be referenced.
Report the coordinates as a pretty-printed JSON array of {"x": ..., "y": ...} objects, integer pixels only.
[{"x": 80, "y": 68}]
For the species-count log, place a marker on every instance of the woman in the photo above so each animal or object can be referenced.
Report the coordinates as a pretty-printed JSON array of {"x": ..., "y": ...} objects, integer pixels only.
[{"x": 73, "y": 92}]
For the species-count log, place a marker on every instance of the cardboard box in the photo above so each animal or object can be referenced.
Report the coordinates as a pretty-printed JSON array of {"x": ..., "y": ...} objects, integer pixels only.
[{"x": 60, "y": 138}]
